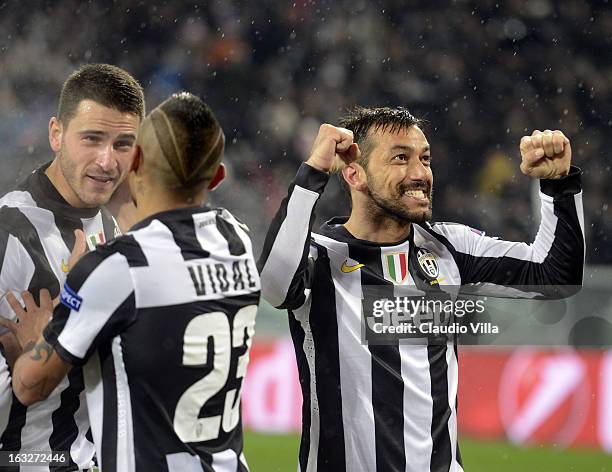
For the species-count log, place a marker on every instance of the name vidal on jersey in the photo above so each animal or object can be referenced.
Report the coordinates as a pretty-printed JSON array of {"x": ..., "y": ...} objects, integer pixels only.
[{"x": 216, "y": 278}]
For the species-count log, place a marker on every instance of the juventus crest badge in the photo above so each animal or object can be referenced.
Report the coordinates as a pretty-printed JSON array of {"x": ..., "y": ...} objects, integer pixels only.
[{"x": 427, "y": 263}]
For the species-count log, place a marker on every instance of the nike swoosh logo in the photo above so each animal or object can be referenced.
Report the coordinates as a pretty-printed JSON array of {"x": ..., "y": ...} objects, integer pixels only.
[
  {"x": 347, "y": 268},
  {"x": 65, "y": 268}
]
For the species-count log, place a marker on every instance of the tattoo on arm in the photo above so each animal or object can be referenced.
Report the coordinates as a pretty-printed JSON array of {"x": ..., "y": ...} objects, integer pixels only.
[
  {"x": 41, "y": 351},
  {"x": 37, "y": 366}
]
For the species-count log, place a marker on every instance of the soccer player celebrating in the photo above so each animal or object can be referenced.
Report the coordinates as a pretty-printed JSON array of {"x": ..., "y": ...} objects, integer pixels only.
[
  {"x": 162, "y": 317},
  {"x": 92, "y": 136},
  {"x": 392, "y": 406}
]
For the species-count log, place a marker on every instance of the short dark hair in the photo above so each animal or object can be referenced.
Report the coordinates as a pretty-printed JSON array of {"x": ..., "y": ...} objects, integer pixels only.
[
  {"x": 191, "y": 140},
  {"x": 105, "y": 84},
  {"x": 364, "y": 121}
]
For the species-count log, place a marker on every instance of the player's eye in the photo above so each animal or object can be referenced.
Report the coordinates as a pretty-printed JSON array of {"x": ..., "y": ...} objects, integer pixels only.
[
  {"x": 400, "y": 157},
  {"x": 124, "y": 145},
  {"x": 426, "y": 159},
  {"x": 91, "y": 138}
]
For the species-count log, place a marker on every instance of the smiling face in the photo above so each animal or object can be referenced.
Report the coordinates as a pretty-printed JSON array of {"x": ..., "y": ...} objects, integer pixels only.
[
  {"x": 399, "y": 176},
  {"x": 94, "y": 152}
]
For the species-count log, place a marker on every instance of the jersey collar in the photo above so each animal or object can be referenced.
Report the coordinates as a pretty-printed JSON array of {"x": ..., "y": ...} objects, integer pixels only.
[
  {"x": 335, "y": 229},
  {"x": 170, "y": 215}
]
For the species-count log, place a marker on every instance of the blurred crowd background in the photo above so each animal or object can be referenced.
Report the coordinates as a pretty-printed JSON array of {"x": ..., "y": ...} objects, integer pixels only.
[{"x": 483, "y": 74}]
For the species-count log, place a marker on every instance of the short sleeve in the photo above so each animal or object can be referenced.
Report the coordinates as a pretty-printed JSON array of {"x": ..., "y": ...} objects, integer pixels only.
[{"x": 97, "y": 303}]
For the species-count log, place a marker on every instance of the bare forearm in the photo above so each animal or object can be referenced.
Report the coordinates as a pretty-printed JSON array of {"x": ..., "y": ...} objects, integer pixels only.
[
  {"x": 12, "y": 349},
  {"x": 37, "y": 372}
]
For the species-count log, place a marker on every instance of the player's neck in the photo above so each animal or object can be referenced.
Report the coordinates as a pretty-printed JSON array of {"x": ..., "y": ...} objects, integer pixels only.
[
  {"x": 376, "y": 228},
  {"x": 157, "y": 202}
]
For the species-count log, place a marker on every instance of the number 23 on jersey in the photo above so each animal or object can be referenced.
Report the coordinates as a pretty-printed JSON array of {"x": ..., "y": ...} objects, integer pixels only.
[{"x": 187, "y": 424}]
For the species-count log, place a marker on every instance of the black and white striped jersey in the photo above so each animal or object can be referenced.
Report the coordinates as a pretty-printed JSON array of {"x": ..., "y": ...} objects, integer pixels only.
[
  {"x": 392, "y": 407},
  {"x": 36, "y": 237},
  {"x": 162, "y": 319}
]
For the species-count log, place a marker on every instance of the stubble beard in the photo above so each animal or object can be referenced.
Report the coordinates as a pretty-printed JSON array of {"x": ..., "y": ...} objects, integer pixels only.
[
  {"x": 75, "y": 182},
  {"x": 390, "y": 207}
]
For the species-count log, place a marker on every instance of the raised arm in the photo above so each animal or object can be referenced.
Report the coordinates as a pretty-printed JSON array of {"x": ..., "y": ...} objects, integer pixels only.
[
  {"x": 552, "y": 265},
  {"x": 284, "y": 263}
]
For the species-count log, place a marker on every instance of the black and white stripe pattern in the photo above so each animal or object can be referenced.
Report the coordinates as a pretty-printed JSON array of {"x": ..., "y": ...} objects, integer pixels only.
[
  {"x": 164, "y": 331},
  {"x": 36, "y": 237},
  {"x": 393, "y": 407}
]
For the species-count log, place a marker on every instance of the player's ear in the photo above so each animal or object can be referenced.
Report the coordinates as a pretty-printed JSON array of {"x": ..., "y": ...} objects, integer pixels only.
[
  {"x": 134, "y": 176},
  {"x": 354, "y": 176},
  {"x": 218, "y": 178},
  {"x": 55, "y": 134},
  {"x": 136, "y": 158}
]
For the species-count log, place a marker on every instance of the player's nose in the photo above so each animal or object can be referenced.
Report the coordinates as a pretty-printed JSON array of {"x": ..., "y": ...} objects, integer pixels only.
[
  {"x": 417, "y": 171},
  {"x": 106, "y": 159}
]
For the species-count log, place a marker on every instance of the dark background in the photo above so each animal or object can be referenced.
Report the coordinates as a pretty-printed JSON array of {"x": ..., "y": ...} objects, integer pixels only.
[{"x": 483, "y": 73}]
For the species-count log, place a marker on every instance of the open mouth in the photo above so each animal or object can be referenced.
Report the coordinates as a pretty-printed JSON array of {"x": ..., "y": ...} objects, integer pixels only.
[
  {"x": 101, "y": 179},
  {"x": 418, "y": 195}
]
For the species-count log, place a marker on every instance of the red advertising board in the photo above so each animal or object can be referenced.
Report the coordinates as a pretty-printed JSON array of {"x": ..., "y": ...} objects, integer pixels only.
[
  {"x": 271, "y": 396},
  {"x": 528, "y": 396}
]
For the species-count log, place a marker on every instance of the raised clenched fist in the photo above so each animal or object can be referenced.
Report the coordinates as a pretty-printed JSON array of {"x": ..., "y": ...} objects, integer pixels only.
[
  {"x": 332, "y": 144},
  {"x": 545, "y": 154}
]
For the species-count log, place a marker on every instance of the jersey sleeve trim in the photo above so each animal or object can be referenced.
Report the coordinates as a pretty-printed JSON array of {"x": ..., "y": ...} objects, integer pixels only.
[
  {"x": 311, "y": 179},
  {"x": 51, "y": 337},
  {"x": 569, "y": 185}
]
